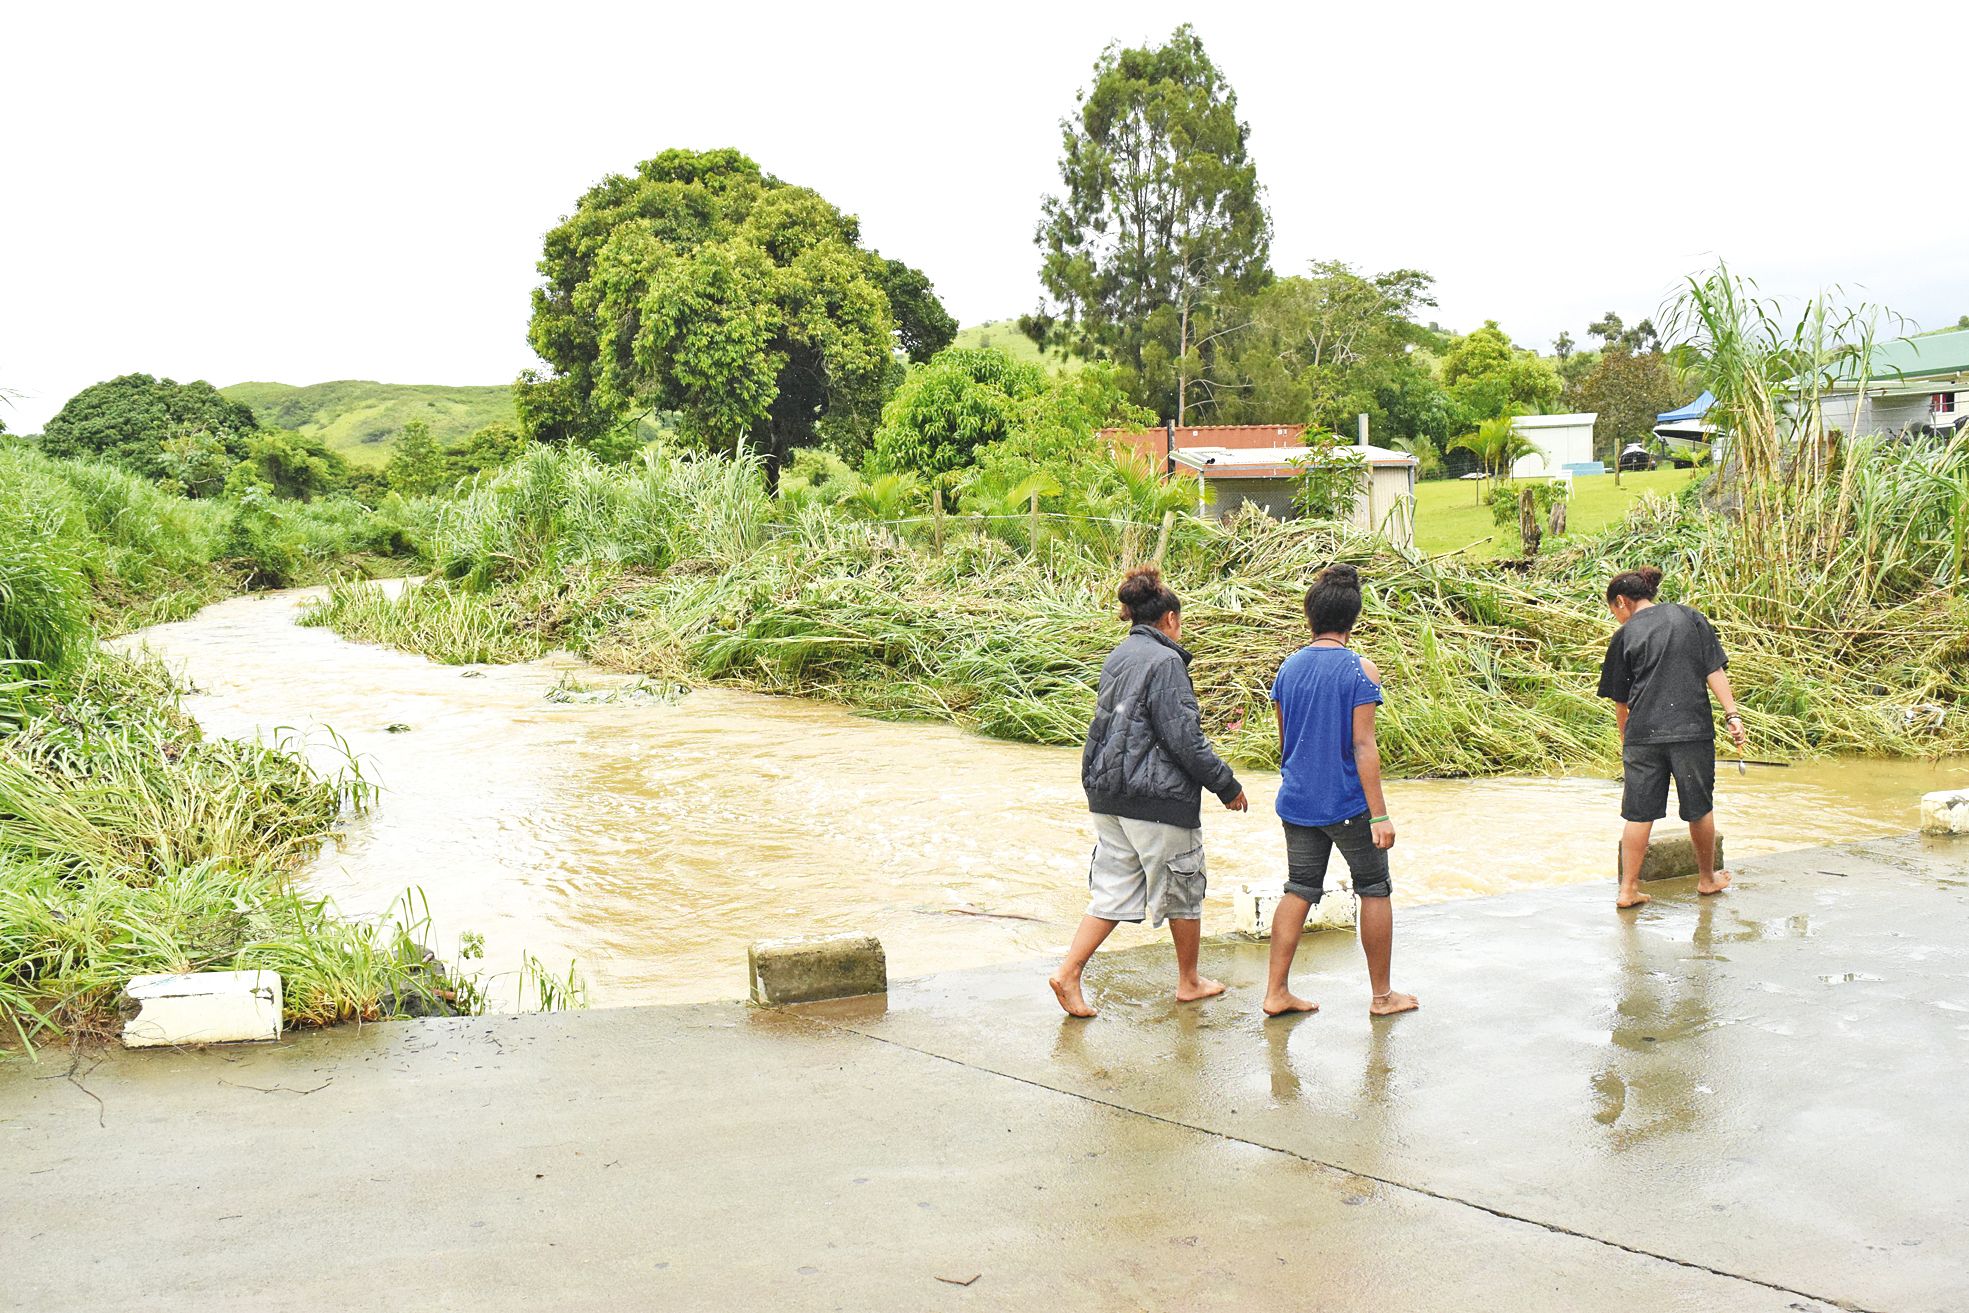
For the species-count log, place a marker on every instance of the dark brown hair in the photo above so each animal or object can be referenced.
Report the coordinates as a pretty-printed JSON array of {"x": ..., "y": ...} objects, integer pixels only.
[
  {"x": 1145, "y": 599},
  {"x": 1333, "y": 603},
  {"x": 1636, "y": 585}
]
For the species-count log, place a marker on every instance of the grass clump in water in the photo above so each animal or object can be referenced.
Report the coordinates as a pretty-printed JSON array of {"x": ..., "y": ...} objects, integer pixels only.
[{"x": 132, "y": 844}]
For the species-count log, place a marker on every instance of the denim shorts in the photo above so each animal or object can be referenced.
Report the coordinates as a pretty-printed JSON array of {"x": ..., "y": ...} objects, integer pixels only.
[
  {"x": 1646, "y": 769},
  {"x": 1308, "y": 848}
]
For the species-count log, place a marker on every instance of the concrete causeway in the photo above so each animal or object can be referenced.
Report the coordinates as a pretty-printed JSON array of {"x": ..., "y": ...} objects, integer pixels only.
[{"x": 1753, "y": 1102}]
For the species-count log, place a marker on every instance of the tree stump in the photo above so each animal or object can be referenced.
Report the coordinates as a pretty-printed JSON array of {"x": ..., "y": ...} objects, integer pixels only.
[{"x": 1528, "y": 522}]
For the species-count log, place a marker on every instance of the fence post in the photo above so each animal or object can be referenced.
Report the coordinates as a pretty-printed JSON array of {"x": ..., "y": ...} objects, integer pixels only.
[
  {"x": 1034, "y": 524},
  {"x": 936, "y": 519},
  {"x": 1162, "y": 538}
]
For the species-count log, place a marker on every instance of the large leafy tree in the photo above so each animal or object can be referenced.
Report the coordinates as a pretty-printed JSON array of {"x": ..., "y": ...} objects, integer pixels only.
[
  {"x": 1626, "y": 389},
  {"x": 1613, "y": 333},
  {"x": 417, "y": 466},
  {"x": 1487, "y": 377},
  {"x": 1332, "y": 344},
  {"x": 138, "y": 421},
  {"x": 923, "y": 326},
  {"x": 292, "y": 465},
  {"x": 1160, "y": 222},
  {"x": 704, "y": 287}
]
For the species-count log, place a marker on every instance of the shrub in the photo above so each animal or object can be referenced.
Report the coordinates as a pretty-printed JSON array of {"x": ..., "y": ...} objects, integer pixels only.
[{"x": 962, "y": 399}]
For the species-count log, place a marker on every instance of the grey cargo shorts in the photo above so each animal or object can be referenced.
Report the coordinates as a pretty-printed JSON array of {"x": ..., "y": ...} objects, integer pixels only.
[{"x": 1145, "y": 870}]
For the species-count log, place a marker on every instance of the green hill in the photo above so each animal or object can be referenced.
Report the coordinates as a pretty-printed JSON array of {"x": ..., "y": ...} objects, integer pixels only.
[
  {"x": 1005, "y": 335},
  {"x": 359, "y": 419}
]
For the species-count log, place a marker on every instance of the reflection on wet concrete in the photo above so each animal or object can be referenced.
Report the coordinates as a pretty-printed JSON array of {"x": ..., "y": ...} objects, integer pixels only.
[
  {"x": 1766, "y": 1082},
  {"x": 1661, "y": 1013},
  {"x": 650, "y": 841}
]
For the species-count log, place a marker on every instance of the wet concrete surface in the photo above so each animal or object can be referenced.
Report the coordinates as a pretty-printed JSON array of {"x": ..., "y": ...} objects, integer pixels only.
[{"x": 1747, "y": 1103}]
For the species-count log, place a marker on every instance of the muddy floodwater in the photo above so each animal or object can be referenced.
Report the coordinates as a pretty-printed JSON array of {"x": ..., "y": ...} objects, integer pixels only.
[{"x": 649, "y": 841}]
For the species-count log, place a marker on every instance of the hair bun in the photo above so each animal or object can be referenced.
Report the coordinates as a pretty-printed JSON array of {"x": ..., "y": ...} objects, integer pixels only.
[
  {"x": 1144, "y": 598},
  {"x": 1341, "y": 575},
  {"x": 1142, "y": 584},
  {"x": 1637, "y": 585}
]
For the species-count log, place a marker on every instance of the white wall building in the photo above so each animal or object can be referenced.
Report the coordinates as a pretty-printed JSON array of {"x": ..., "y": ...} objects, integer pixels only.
[
  {"x": 1561, "y": 440},
  {"x": 1233, "y": 477}
]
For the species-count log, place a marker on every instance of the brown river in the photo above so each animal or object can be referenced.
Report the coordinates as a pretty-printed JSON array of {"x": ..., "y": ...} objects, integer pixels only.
[{"x": 649, "y": 841}]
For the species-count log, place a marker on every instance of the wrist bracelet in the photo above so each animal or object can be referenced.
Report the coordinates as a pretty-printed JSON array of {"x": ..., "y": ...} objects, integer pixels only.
[
  {"x": 1734, "y": 715},
  {"x": 1376, "y": 820}
]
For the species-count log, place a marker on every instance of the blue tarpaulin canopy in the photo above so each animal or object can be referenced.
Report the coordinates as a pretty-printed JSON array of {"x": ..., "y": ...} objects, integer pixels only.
[{"x": 1695, "y": 410}]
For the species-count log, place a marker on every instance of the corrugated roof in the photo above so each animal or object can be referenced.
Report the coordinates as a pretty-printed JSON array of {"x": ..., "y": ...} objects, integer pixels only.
[
  {"x": 1931, "y": 355},
  {"x": 1211, "y": 435},
  {"x": 1216, "y": 462}
]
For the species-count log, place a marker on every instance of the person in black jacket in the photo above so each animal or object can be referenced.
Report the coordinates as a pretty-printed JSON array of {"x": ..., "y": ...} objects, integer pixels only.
[
  {"x": 1145, "y": 767},
  {"x": 1661, "y": 667}
]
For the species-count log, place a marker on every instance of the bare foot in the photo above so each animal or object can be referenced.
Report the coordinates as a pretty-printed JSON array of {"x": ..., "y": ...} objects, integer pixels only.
[
  {"x": 1715, "y": 884},
  {"x": 1201, "y": 987},
  {"x": 1284, "y": 1004},
  {"x": 1632, "y": 900},
  {"x": 1068, "y": 992},
  {"x": 1387, "y": 1005}
]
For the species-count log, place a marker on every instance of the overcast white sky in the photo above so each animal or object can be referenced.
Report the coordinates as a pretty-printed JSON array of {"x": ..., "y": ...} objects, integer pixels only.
[{"x": 300, "y": 193}]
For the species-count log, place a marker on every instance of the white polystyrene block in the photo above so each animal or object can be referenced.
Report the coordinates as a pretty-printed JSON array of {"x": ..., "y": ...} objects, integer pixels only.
[
  {"x": 1946, "y": 812},
  {"x": 1253, "y": 905},
  {"x": 204, "y": 1007}
]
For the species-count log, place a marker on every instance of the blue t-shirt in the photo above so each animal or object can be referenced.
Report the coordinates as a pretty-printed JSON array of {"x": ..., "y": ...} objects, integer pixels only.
[{"x": 1317, "y": 690}]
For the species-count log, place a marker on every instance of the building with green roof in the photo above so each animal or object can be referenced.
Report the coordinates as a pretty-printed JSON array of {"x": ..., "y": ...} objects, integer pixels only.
[{"x": 1913, "y": 384}]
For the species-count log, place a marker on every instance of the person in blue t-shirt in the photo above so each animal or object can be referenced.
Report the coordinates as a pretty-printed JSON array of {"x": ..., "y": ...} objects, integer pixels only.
[{"x": 1330, "y": 793}]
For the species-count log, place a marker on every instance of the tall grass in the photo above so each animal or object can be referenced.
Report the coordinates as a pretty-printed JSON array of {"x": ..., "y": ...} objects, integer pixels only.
[
  {"x": 1488, "y": 672},
  {"x": 455, "y": 626},
  {"x": 136, "y": 555},
  {"x": 556, "y": 506},
  {"x": 130, "y": 843},
  {"x": 44, "y": 600},
  {"x": 1826, "y": 526}
]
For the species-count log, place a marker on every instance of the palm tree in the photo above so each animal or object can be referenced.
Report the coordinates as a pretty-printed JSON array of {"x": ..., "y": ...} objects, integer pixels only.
[
  {"x": 1496, "y": 444},
  {"x": 1428, "y": 456},
  {"x": 886, "y": 496},
  {"x": 1138, "y": 492},
  {"x": 1006, "y": 499}
]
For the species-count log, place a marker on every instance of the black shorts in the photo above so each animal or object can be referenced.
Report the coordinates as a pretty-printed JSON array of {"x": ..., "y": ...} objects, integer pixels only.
[
  {"x": 1647, "y": 768},
  {"x": 1308, "y": 848}
]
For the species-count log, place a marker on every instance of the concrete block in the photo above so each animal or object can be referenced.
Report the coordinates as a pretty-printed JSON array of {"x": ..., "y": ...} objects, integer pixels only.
[
  {"x": 1253, "y": 906},
  {"x": 206, "y": 1007},
  {"x": 829, "y": 966},
  {"x": 1946, "y": 812},
  {"x": 1670, "y": 857}
]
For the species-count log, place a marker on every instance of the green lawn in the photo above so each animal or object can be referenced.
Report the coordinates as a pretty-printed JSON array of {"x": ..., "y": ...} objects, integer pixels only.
[
  {"x": 361, "y": 420},
  {"x": 1448, "y": 516}
]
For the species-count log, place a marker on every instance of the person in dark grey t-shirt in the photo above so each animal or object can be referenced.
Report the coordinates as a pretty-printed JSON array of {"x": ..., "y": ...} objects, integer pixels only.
[{"x": 1661, "y": 666}]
